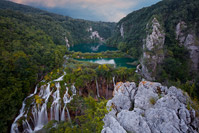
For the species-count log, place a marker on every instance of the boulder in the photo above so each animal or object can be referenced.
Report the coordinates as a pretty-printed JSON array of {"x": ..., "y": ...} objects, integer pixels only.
[{"x": 132, "y": 110}]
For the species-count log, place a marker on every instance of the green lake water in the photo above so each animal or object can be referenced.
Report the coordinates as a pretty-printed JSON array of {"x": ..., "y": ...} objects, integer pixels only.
[
  {"x": 117, "y": 62},
  {"x": 96, "y": 48}
]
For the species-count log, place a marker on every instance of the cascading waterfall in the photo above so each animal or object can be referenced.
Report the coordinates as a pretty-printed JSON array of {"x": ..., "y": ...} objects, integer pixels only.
[
  {"x": 14, "y": 127},
  {"x": 69, "y": 119},
  {"x": 40, "y": 114},
  {"x": 114, "y": 81},
  {"x": 56, "y": 105},
  {"x": 98, "y": 95}
]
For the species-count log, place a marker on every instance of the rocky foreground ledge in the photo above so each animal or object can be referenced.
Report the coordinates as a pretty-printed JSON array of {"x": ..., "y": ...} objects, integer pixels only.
[{"x": 150, "y": 108}]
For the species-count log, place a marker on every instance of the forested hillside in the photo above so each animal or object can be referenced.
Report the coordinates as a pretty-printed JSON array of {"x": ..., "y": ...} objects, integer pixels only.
[
  {"x": 56, "y": 26},
  {"x": 176, "y": 59},
  {"x": 32, "y": 43},
  {"x": 168, "y": 12}
]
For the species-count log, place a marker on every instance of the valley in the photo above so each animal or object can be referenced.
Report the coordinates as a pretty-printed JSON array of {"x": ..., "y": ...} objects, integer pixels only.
[{"x": 60, "y": 74}]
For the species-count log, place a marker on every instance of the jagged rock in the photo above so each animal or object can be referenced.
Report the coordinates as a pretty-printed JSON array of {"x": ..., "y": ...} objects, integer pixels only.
[
  {"x": 67, "y": 42},
  {"x": 189, "y": 39},
  {"x": 122, "y": 30},
  {"x": 152, "y": 49},
  {"x": 123, "y": 94},
  {"x": 162, "y": 120},
  {"x": 133, "y": 122},
  {"x": 156, "y": 38},
  {"x": 112, "y": 125},
  {"x": 149, "y": 89},
  {"x": 94, "y": 34},
  {"x": 168, "y": 112}
]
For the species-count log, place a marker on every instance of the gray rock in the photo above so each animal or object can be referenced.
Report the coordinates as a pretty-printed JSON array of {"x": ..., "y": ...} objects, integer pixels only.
[
  {"x": 152, "y": 50},
  {"x": 133, "y": 122},
  {"x": 107, "y": 130},
  {"x": 146, "y": 92},
  {"x": 189, "y": 39},
  {"x": 173, "y": 91},
  {"x": 112, "y": 125},
  {"x": 162, "y": 120},
  {"x": 123, "y": 93},
  {"x": 169, "y": 113},
  {"x": 169, "y": 102}
]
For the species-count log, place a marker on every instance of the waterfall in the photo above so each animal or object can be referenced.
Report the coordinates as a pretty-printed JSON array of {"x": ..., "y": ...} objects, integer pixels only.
[
  {"x": 56, "y": 102},
  {"x": 27, "y": 127},
  {"x": 69, "y": 119},
  {"x": 14, "y": 127},
  {"x": 39, "y": 111},
  {"x": 114, "y": 81},
  {"x": 67, "y": 99},
  {"x": 97, "y": 88},
  {"x": 63, "y": 113},
  {"x": 40, "y": 114}
]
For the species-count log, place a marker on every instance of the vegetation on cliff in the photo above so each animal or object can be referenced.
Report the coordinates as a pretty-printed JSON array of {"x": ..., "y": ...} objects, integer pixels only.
[{"x": 176, "y": 65}]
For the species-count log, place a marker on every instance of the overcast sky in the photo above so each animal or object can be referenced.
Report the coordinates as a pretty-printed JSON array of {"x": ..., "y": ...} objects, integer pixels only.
[{"x": 96, "y": 10}]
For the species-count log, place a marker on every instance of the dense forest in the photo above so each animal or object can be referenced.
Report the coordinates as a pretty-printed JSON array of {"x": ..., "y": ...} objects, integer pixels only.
[{"x": 32, "y": 43}]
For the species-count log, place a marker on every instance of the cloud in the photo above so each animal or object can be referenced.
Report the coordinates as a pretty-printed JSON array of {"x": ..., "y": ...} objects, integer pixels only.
[{"x": 106, "y": 10}]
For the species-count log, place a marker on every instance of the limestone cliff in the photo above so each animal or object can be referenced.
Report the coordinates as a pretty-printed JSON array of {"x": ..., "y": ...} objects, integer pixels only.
[
  {"x": 150, "y": 108},
  {"x": 189, "y": 39},
  {"x": 152, "y": 49}
]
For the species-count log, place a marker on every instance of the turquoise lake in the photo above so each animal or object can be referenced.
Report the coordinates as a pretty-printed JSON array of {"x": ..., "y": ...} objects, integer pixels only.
[
  {"x": 117, "y": 62},
  {"x": 97, "y": 48}
]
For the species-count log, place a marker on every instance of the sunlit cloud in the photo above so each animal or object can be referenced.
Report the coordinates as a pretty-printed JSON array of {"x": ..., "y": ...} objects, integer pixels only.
[{"x": 106, "y": 10}]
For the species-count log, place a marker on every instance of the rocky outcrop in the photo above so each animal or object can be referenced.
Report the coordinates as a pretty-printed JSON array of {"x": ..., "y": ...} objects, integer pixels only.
[
  {"x": 95, "y": 34},
  {"x": 149, "y": 108},
  {"x": 188, "y": 38},
  {"x": 152, "y": 49},
  {"x": 122, "y": 30},
  {"x": 67, "y": 42}
]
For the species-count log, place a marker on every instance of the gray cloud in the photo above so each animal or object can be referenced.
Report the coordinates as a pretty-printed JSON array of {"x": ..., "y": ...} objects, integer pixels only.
[{"x": 105, "y": 10}]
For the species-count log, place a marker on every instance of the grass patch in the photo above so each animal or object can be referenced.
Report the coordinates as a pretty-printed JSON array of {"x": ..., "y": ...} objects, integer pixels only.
[{"x": 152, "y": 100}]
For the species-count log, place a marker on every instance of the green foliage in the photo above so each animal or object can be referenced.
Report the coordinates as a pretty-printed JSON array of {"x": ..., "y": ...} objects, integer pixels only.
[
  {"x": 152, "y": 100},
  {"x": 56, "y": 26},
  {"x": 84, "y": 73},
  {"x": 176, "y": 64},
  {"x": 169, "y": 13},
  {"x": 107, "y": 54},
  {"x": 89, "y": 122},
  {"x": 31, "y": 45},
  {"x": 26, "y": 55}
]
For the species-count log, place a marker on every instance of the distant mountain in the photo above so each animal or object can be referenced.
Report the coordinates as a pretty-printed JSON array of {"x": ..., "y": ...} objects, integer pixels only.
[
  {"x": 164, "y": 37},
  {"x": 56, "y": 26}
]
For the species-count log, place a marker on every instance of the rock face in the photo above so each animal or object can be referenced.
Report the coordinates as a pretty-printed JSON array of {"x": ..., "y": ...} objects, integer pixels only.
[
  {"x": 95, "y": 34},
  {"x": 152, "y": 49},
  {"x": 149, "y": 108},
  {"x": 190, "y": 41},
  {"x": 122, "y": 30},
  {"x": 67, "y": 42}
]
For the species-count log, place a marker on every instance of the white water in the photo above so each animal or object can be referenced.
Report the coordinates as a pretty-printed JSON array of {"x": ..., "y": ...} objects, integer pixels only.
[
  {"x": 98, "y": 95},
  {"x": 103, "y": 61},
  {"x": 14, "y": 127},
  {"x": 114, "y": 81},
  {"x": 40, "y": 114}
]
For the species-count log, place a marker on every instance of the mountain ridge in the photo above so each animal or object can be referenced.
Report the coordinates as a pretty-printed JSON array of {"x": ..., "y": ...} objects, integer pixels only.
[{"x": 179, "y": 48}]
